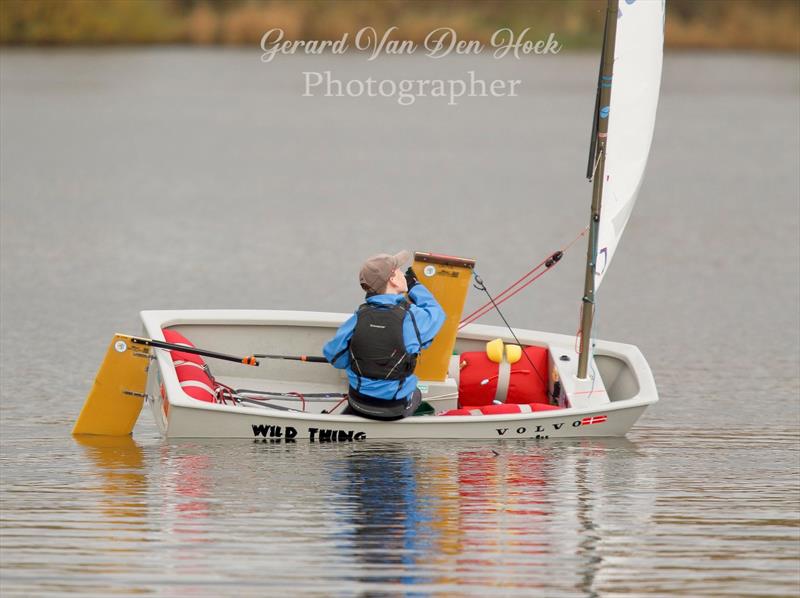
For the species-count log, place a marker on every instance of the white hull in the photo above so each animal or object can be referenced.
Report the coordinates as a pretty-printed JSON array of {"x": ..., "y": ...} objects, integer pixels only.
[
  {"x": 254, "y": 423},
  {"x": 609, "y": 405}
]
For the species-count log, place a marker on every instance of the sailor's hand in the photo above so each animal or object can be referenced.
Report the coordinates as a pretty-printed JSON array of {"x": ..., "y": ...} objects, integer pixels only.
[{"x": 411, "y": 278}]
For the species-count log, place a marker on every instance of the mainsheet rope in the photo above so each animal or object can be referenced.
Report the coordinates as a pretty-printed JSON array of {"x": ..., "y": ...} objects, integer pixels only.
[
  {"x": 520, "y": 284},
  {"x": 482, "y": 287}
]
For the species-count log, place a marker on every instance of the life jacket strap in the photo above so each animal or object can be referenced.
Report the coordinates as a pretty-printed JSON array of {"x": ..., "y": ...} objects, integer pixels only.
[
  {"x": 400, "y": 384},
  {"x": 414, "y": 322}
]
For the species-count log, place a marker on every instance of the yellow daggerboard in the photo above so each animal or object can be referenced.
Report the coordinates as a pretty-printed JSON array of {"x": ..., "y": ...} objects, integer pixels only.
[
  {"x": 117, "y": 396},
  {"x": 448, "y": 278}
]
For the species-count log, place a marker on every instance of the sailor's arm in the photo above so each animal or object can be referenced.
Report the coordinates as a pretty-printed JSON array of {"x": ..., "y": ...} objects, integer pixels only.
[
  {"x": 336, "y": 350},
  {"x": 428, "y": 314}
]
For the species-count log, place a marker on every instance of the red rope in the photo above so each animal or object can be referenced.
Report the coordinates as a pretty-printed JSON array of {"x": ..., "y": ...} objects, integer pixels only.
[
  {"x": 489, "y": 306},
  {"x": 510, "y": 291},
  {"x": 335, "y": 407},
  {"x": 301, "y": 397},
  {"x": 499, "y": 298},
  {"x": 222, "y": 392}
]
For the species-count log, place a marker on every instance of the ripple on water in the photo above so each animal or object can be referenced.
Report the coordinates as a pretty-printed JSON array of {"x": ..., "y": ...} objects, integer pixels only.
[
  {"x": 574, "y": 517},
  {"x": 700, "y": 500}
]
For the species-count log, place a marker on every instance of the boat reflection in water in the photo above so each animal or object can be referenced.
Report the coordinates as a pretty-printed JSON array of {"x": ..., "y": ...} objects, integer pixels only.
[
  {"x": 480, "y": 515},
  {"x": 509, "y": 518},
  {"x": 108, "y": 521}
]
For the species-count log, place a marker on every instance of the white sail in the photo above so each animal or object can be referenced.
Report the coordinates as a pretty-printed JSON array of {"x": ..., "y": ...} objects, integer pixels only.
[{"x": 638, "y": 54}]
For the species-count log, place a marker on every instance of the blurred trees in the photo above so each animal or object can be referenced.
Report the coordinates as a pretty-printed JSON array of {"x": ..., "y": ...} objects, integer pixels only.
[
  {"x": 725, "y": 24},
  {"x": 87, "y": 22}
]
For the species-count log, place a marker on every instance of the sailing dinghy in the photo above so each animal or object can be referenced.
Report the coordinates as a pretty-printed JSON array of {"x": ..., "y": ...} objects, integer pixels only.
[{"x": 477, "y": 382}]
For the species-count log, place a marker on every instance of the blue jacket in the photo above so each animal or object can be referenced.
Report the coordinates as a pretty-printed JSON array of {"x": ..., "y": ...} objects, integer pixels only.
[{"x": 429, "y": 317}]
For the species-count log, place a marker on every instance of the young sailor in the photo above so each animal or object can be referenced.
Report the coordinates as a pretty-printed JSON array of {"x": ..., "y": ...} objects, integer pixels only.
[{"x": 379, "y": 344}]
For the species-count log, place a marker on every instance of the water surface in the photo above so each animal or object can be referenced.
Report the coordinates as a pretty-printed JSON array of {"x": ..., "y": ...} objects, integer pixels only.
[{"x": 170, "y": 178}]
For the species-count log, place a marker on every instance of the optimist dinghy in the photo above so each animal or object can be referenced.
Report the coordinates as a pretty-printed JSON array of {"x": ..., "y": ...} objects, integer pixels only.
[{"x": 477, "y": 382}]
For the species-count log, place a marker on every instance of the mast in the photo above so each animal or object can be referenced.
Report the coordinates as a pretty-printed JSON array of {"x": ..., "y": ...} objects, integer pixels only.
[{"x": 597, "y": 158}]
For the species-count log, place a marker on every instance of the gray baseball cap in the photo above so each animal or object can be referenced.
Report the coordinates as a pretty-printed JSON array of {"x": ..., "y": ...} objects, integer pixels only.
[{"x": 377, "y": 270}]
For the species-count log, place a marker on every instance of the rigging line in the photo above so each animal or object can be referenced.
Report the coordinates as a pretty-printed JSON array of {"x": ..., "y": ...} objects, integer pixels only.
[
  {"x": 596, "y": 162},
  {"x": 595, "y": 119},
  {"x": 500, "y": 297},
  {"x": 579, "y": 331},
  {"x": 490, "y": 306},
  {"x": 335, "y": 407},
  {"x": 504, "y": 295},
  {"x": 594, "y": 373},
  {"x": 575, "y": 240},
  {"x": 507, "y": 289},
  {"x": 481, "y": 286}
]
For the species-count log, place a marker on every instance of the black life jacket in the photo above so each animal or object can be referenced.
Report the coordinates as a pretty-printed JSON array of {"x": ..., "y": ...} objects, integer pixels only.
[{"x": 377, "y": 347}]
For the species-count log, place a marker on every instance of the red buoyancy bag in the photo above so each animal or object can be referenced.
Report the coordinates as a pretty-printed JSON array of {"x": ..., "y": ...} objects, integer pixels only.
[
  {"x": 502, "y": 409},
  {"x": 176, "y": 338},
  {"x": 190, "y": 369},
  {"x": 195, "y": 382},
  {"x": 478, "y": 377},
  {"x": 531, "y": 388}
]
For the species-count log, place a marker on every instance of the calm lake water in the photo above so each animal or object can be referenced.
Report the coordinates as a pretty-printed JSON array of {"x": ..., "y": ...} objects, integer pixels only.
[{"x": 174, "y": 178}]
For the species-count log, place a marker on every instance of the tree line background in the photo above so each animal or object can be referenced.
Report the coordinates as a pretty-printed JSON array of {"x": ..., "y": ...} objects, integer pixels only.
[{"x": 765, "y": 25}]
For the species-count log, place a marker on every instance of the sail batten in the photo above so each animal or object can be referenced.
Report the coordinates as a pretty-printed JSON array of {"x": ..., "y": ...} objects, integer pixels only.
[{"x": 638, "y": 56}]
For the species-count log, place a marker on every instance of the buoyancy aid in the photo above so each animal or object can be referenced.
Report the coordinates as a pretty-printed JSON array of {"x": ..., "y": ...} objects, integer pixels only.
[
  {"x": 377, "y": 347},
  {"x": 479, "y": 378},
  {"x": 502, "y": 409}
]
